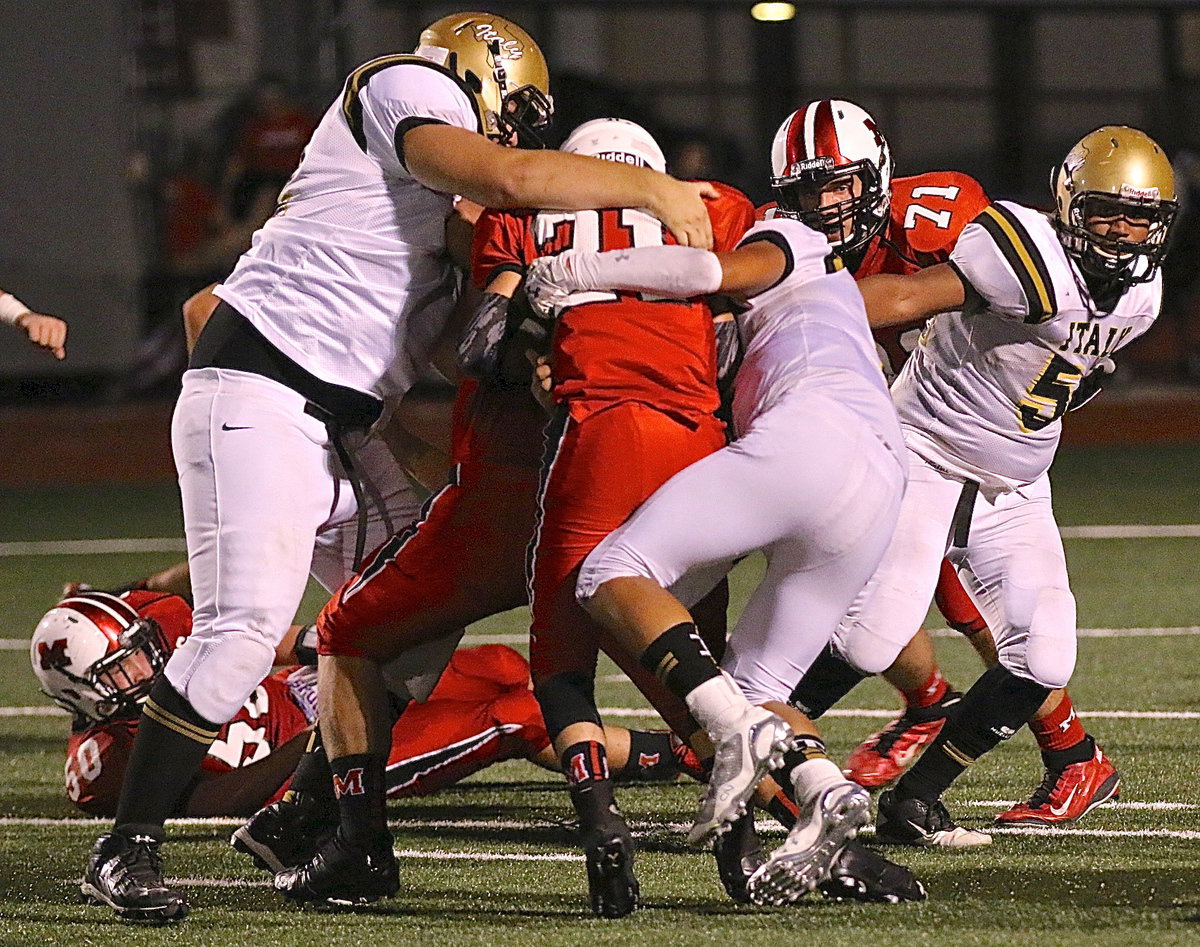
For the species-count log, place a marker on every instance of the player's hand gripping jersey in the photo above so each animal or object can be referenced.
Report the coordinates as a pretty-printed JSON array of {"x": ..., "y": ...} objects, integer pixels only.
[{"x": 984, "y": 392}]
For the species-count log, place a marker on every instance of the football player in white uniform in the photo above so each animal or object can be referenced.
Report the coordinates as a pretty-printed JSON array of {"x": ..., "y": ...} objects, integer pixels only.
[
  {"x": 814, "y": 479},
  {"x": 332, "y": 311},
  {"x": 1027, "y": 315}
]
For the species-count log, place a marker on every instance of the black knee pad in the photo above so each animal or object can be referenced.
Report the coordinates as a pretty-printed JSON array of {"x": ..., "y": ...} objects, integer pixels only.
[
  {"x": 567, "y": 698},
  {"x": 996, "y": 707},
  {"x": 824, "y": 684}
]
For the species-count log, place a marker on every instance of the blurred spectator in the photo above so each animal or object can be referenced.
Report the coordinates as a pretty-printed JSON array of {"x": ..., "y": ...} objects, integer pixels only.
[
  {"x": 1181, "y": 273},
  {"x": 696, "y": 154},
  {"x": 267, "y": 132}
]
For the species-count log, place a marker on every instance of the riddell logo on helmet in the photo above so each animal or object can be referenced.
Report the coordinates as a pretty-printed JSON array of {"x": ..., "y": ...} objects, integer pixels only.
[
  {"x": 622, "y": 157},
  {"x": 486, "y": 33},
  {"x": 819, "y": 163},
  {"x": 1139, "y": 193}
]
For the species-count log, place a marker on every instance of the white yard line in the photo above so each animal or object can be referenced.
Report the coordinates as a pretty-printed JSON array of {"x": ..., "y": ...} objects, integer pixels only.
[{"x": 84, "y": 547}]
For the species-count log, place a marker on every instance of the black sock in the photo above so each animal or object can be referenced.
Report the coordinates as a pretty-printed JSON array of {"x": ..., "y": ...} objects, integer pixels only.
[
  {"x": 312, "y": 782},
  {"x": 825, "y": 683},
  {"x": 172, "y": 740},
  {"x": 585, "y": 764},
  {"x": 679, "y": 658},
  {"x": 996, "y": 706},
  {"x": 1081, "y": 752},
  {"x": 360, "y": 791},
  {"x": 651, "y": 757}
]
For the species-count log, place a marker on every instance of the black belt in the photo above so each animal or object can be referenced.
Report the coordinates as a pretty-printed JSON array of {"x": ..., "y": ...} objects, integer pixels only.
[
  {"x": 228, "y": 340},
  {"x": 961, "y": 524}
]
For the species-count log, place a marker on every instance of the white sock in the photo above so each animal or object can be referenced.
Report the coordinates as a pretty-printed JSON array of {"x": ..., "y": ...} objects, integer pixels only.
[
  {"x": 718, "y": 706},
  {"x": 813, "y": 777}
]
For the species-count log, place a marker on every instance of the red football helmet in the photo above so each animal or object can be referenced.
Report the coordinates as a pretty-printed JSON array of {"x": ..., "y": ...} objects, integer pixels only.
[
  {"x": 828, "y": 141},
  {"x": 96, "y": 656}
]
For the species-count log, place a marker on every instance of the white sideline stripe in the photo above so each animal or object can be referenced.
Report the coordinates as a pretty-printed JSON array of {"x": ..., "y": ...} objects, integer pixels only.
[
  {"x": 22, "y": 644},
  {"x": 1166, "y": 531},
  {"x": 1130, "y": 806},
  {"x": 90, "y": 547},
  {"x": 770, "y": 827},
  {"x": 645, "y": 713},
  {"x": 82, "y": 547}
]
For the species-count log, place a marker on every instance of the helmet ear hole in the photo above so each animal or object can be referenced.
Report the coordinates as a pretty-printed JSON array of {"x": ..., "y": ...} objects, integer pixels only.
[{"x": 473, "y": 82}]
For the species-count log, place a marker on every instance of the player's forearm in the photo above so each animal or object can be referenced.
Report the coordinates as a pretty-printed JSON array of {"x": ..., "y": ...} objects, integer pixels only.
[
  {"x": 678, "y": 272},
  {"x": 893, "y": 300}
]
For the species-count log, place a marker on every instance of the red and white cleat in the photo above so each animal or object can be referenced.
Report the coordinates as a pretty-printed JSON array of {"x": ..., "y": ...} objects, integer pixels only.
[
  {"x": 884, "y": 756},
  {"x": 1067, "y": 795}
]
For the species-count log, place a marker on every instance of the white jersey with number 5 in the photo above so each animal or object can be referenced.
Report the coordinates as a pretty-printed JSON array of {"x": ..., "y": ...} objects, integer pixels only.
[
  {"x": 350, "y": 278},
  {"x": 983, "y": 394}
]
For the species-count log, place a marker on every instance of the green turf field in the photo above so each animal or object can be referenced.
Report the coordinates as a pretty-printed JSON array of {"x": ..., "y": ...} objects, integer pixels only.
[{"x": 492, "y": 861}]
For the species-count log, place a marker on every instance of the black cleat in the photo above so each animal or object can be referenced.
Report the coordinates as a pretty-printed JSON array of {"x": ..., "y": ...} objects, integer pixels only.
[
  {"x": 861, "y": 874},
  {"x": 283, "y": 835},
  {"x": 343, "y": 874},
  {"x": 739, "y": 855},
  {"x": 921, "y": 822},
  {"x": 613, "y": 889},
  {"x": 126, "y": 874}
]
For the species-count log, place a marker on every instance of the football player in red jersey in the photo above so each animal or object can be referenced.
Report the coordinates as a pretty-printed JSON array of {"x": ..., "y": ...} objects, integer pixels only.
[
  {"x": 635, "y": 383},
  {"x": 97, "y": 654},
  {"x": 833, "y": 170}
]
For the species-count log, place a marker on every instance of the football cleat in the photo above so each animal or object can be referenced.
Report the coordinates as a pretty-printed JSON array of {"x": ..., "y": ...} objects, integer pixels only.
[
  {"x": 1068, "y": 794},
  {"x": 343, "y": 874},
  {"x": 283, "y": 835},
  {"x": 126, "y": 874},
  {"x": 741, "y": 760},
  {"x": 806, "y": 857},
  {"x": 612, "y": 886},
  {"x": 862, "y": 874},
  {"x": 882, "y": 758},
  {"x": 920, "y": 822},
  {"x": 739, "y": 855}
]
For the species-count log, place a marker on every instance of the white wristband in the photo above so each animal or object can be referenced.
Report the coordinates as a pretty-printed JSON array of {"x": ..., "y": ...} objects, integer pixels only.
[{"x": 11, "y": 308}]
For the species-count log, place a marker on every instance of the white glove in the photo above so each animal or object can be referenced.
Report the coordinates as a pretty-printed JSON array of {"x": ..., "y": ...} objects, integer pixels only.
[{"x": 550, "y": 280}]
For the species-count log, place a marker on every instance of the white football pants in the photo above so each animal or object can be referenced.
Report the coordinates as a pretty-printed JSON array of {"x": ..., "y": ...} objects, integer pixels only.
[
  {"x": 1012, "y": 565},
  {"x": 813, "y": 487},
  {"x": 264, "y": 501}
]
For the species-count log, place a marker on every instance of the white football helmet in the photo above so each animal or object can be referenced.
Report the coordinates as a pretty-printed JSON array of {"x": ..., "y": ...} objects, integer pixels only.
[
  {"x": 616, "y": 139},
  {"x": 95, "y": 656},
  {"x": 822, "y": 142}
]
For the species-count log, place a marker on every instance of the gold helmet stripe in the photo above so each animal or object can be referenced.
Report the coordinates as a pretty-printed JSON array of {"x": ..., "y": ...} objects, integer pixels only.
[
  {"x": 357, "y": 81},
  {"x": 1024, "y": 257}
]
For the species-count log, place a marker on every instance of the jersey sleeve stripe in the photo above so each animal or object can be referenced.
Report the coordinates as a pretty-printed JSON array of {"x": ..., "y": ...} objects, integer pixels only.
[
  {"x": 779, "y": 240},
  {"x": 357, "y": 81},
  {"x": 1023, "y": 256}
]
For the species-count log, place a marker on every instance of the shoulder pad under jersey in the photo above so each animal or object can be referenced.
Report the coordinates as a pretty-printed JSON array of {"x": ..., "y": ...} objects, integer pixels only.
[{"x": 1006, "y": 255}]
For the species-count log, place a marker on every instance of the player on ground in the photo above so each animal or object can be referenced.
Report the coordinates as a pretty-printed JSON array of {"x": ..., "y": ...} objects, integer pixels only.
[
  {"x": 1027, "y": 314},
  {"x": 814, "y": 479},
  {"x": 331, "y": 312},
  {"x": 833, "y": 168},
  {"x": 97, "y": 655}
]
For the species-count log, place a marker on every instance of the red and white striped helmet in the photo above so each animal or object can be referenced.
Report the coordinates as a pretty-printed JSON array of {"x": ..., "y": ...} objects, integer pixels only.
[
  {"x": 819, "y": 143},
  {"x": 96, "y": 656}
]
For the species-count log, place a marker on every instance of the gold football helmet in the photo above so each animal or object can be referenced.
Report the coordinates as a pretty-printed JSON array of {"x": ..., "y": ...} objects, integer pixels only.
[
  {"x": 1115, "y": 172},
  {"x": 504, "y": 70}
]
